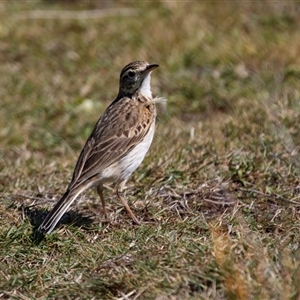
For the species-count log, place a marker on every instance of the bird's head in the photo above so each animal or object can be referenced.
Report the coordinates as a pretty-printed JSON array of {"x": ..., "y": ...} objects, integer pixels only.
[{"x": 136, "y": 76}]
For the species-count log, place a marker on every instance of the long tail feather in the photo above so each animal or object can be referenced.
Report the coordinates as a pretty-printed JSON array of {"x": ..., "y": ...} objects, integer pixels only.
[{"x": 57, "y": 212}]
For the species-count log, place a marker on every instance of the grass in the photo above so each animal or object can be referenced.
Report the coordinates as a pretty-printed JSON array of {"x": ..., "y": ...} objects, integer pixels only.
[{"x": 217, "y": 194}]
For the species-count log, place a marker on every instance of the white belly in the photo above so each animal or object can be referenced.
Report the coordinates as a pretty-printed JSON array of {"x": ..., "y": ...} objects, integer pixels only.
[{"x": 133, "y": 159}]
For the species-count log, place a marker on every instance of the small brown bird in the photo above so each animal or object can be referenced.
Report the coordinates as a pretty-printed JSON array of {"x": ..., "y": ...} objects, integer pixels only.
[{"x": 117, "y": 145}]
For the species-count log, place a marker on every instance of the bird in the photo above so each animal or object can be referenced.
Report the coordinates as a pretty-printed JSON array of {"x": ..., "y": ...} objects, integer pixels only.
[{"x": 117, "y": 145}]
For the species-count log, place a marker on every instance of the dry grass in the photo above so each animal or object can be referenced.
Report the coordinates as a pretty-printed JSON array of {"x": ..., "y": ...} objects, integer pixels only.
[{"x": 216, "y": 194}]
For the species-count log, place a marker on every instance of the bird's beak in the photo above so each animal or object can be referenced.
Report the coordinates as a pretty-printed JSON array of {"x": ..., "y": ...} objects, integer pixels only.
[{"x": 150, "y": 68}]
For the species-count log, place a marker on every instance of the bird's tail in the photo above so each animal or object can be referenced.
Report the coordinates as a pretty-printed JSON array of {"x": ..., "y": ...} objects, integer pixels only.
[{"x": 57, "y": 212}]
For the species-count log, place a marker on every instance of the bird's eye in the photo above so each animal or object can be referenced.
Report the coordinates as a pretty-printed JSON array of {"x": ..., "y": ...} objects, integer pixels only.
[{"x": 131, "y": 74}]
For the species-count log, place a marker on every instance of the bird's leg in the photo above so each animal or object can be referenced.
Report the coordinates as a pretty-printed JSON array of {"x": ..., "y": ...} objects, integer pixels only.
[
  {"x": 100, "y": 193},
  {"x": 120, "y": 195}
]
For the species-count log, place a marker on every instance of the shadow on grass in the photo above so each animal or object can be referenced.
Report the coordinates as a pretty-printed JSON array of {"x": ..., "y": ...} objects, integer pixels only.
[{"x": 36, "y": 217}]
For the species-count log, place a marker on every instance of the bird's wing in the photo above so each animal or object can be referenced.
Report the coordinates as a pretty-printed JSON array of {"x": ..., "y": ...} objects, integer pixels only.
[{"x": 123, "y": 125}]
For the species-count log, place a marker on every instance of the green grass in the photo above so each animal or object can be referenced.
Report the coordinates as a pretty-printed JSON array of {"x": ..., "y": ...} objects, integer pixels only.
[{"x": 216, "y": 193}]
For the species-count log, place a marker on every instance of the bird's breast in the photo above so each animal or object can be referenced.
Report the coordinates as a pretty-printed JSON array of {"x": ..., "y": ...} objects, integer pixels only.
[{"x": 133, "y": 159}]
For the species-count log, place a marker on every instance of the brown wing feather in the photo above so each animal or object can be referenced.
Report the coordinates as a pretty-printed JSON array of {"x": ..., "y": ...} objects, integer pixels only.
[{"x": 122, "y": 126}]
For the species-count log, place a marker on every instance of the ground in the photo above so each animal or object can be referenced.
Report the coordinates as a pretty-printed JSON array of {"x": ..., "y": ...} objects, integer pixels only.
[{"x": 217, "y": 194}]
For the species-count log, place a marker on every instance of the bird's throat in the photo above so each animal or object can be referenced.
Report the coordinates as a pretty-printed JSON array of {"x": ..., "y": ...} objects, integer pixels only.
[{"x": 145, "y": 89}]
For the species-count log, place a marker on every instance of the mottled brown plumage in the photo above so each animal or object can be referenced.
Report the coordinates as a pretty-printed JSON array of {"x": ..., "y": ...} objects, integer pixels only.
[{"x": 117, "y": 145}]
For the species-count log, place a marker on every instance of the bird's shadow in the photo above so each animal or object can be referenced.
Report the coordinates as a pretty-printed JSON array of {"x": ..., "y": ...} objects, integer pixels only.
[{"x": 36, "y": 217}]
